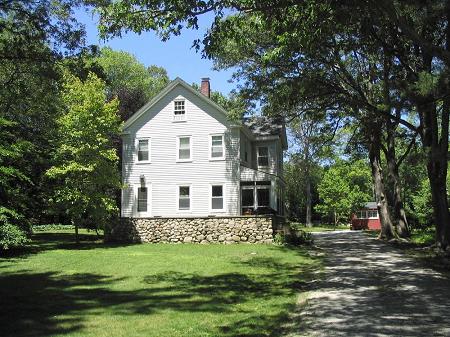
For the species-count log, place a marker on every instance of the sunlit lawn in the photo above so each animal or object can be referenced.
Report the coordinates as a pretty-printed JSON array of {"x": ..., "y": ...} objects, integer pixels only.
[{"x": 59, "y": 289}]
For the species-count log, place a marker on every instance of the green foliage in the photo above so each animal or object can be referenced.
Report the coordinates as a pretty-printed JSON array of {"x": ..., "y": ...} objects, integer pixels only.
[
  {"x": 34, "y": 35},
  {"x": 129, "y": 80},
  {"x": 422, "y": 203},
  {"x": 12, "y": 236},
  {"x": 52, "y": 227},
  {"x": 294, "y": 238},
  {"x": 85, "y": 162},
  {"x": 295, "y": 192},
  {"x": 344, "y": 188}
]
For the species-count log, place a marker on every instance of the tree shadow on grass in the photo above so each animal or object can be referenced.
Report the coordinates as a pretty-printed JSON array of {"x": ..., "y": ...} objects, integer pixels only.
[
  {"x": 46, "y": 304},
  {"x": 45, "y": 241}
]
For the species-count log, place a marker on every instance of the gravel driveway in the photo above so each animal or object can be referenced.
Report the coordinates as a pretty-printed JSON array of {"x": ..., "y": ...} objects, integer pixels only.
[{"x": 373, "y": 289}]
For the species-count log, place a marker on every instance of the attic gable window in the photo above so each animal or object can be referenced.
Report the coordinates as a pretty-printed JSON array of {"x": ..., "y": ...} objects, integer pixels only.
[{"x": 179, "y": 111}]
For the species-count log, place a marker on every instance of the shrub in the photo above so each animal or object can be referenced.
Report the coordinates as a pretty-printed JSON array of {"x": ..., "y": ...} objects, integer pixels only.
[
  {"x": 11, "y": 236},
  {"x": 51, "y": 227},
  {"x": 295, "y": 238}
]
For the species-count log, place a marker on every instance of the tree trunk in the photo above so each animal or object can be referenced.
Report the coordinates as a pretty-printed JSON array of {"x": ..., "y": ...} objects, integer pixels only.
[
  {"x": 401, "y": 223},
  {"x": 440, "y": 205},
  {"x": 308, "y": 201},
  {"x": 77, "y": 237},
  {"x": 436, "y": 149},
  {"x": 387, "y": 228}
]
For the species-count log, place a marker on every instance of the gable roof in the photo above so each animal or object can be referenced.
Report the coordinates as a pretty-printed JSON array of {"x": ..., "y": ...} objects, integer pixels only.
[
  {"x": 264, "y": 127},
  {"x": 165, "y": 91}
]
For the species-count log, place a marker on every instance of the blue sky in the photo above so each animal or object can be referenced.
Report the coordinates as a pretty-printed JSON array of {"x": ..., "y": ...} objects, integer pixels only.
[{"x": 175, "y": 55}]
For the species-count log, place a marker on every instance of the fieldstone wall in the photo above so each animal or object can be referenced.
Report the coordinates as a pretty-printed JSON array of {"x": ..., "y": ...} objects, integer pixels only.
[{"x": 243, "y": 229}]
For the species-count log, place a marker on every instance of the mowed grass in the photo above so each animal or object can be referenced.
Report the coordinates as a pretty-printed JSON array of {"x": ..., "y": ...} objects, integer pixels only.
[{"x": 60, "y": 289}]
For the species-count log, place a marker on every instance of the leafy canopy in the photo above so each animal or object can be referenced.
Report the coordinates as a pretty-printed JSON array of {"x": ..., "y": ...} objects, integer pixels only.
[
  {"x": 86, "y": 163},
  {"x": 344, "y": 188}
]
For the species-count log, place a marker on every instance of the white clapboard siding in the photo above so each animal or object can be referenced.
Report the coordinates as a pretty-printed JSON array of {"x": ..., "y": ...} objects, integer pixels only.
[{"x": 165, "y": 174}]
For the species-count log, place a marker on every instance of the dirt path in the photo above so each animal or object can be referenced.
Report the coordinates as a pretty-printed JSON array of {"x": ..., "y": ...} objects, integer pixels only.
[{"x": 373, "y": 289}]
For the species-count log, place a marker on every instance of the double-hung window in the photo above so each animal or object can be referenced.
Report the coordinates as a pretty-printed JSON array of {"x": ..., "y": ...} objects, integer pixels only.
[
  {"x": 217, "y": 198},
  {"x": 184, "y": 148},
  {"x": 263, "y": 156},
  {"x": 142, "y": 199},
  {"x": 184, "y": 198},
  {"x": 217, "y": 147},
  {"x": 143, "y": 150},
  {"x": 179, "y": 111}
]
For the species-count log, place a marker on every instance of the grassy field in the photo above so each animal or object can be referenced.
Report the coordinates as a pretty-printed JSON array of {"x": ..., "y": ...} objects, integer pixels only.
[{"x": 59, "y": 289}]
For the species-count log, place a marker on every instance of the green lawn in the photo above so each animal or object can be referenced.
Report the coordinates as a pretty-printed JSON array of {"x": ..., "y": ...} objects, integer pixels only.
[{"x": 59, "y": 289}]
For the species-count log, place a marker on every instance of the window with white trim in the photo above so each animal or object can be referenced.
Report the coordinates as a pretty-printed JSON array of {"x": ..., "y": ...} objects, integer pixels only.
[
  {"x": 184, "y": 198},
  {"x": 142, "y": 199},
  {"x": 184, "y": 148},
  {"x": 143, "y": 150},
  {"x": 217, "y": 147},
  {"x": 179, "y": 112},
  {"x": 217, "y": 199},
  {"x": 263, "y": 156},
  {"x": 372, "y": 214}
]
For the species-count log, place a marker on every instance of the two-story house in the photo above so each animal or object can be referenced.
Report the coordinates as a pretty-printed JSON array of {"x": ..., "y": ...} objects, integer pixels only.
[{"x": 183, "y": 158}]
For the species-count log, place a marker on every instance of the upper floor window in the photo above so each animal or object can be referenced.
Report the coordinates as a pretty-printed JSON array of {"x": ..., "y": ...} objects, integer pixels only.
[
  {"x": 184, "y": 152},
  {"x": 179, "y": 112},
  {"x": 217, "y": 147},
  {"x": 263, "y": 156},
  {"x": 143, "y": 150}
]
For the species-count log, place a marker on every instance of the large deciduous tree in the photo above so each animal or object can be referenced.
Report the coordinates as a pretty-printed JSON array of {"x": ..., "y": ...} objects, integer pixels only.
[
  {"x": 85, "y": 160},
  {"x": 129, "y": 80},
  {"x": 34, "y": 37},
  {"x": 344, "y": 188}
]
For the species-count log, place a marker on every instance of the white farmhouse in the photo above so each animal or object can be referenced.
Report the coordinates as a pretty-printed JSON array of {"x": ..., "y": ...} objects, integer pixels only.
[{"x": 183, "y": 158}]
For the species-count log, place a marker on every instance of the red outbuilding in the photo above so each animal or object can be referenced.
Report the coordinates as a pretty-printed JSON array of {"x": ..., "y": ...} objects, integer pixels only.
[{"x": 367, "y": 217}]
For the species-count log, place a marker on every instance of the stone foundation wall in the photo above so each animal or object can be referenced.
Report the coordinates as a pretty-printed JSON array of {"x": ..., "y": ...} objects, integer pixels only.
[{"x": 243, "y": 229}]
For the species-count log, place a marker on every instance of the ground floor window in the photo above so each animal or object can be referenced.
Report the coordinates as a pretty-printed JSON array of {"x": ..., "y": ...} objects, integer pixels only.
[
  {"x": 184, "y": 198},
  {"x": 255, "y": 196},
  {"x": 142, "y": 199},
  {"x": 217, "y": 201}
]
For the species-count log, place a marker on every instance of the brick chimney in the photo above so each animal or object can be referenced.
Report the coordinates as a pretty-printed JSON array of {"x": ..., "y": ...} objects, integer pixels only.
[{"x": 205, "y": 87}]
